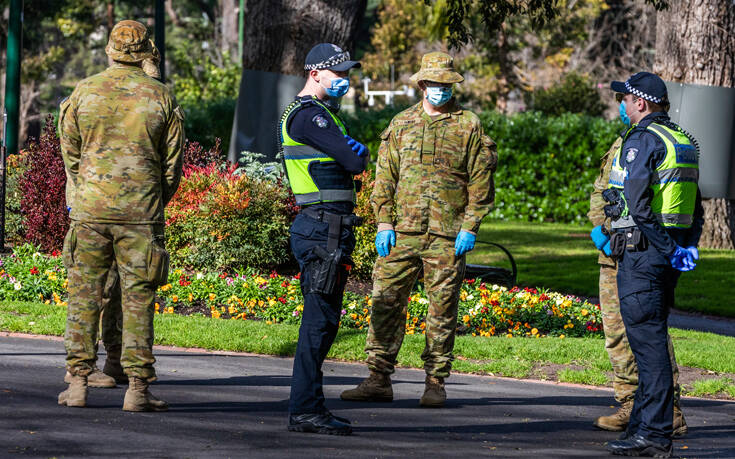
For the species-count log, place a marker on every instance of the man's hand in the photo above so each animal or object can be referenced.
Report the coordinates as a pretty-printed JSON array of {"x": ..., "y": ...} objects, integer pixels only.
[
  {"x": 357, "y": 147},
  {"x": 383, "y": 242},
  {"x": 464, "y": 243},
  {"x": 599, "y": 237},
  {"x": 682, "y": 259}
]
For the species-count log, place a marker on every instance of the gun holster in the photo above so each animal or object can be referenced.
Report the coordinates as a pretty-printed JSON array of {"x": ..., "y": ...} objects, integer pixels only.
[{"x": 617, "y": 245}]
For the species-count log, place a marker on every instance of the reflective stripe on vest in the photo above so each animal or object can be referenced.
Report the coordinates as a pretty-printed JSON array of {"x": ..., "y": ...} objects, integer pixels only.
[{"x": 298, "y": 157}]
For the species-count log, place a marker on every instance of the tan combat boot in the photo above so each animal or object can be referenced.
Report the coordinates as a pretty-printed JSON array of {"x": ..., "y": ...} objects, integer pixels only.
[
  {"x": 618, "y": 421},
  {"x": 94, "y": 379},
  {"x": 434, "y": 393},
  {"x": 680, "y": 424},
  {"x": 76, "y": 393},
  {"x": 113, "y": 368},
  {"x": 376, "y": 388},
  {"x": 138, "y": 398}
]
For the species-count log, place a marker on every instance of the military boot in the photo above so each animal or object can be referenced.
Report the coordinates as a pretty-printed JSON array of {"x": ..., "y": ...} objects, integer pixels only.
[
  {"x": 434, "y": 393},
  {"x": 618, "y": 421},
  {"x": 113, "y": 368},
  {"x": 94, "y": 379},
  {"x": 138, "y": 398},
  {"x": 376, "y": 388},
  {"x": 76, "y": 393},
  {"x": 680, "y": 424}
]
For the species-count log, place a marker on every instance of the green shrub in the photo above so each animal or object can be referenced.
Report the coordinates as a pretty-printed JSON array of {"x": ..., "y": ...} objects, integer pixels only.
[
  {"x": 209, "y": 120},
  {"x": 546, "y": 164},
  {"x": 366, "y": 125},
  {"x": 575, "y": 93},
  {"x": 365, "y": 252},
  {"x": 222, "y": 220},
  {"x": 16, "y": 167}
]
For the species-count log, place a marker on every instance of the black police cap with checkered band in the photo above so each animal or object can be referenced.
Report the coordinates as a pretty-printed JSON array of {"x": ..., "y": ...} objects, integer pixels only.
[
  {"x": 645, "y": 85},
  {"x": 329, "y": 56}
]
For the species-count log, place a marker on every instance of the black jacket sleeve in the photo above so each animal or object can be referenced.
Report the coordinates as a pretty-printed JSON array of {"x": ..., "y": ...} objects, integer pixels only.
[
  {"x": 641, "y": 154},
  {"x": 313, "y": 126}
]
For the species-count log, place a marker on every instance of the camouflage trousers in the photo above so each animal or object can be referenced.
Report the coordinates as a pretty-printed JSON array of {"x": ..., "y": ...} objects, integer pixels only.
[
  {"x": 393, "y": 278},
  {"x": 625, "y": 370},
  {"x": 111, "y": 319},
  {"x": 90, "y": 251}
]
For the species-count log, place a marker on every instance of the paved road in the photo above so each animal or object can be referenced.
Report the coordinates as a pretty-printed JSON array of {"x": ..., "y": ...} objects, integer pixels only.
[
  {"x": 712, "y": 324},
  {"x": 234, "y": 406}
]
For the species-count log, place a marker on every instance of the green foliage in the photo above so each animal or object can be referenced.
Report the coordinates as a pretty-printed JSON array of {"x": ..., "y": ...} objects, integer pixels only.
[
  {"x": 574, "y": 94},
  {"x": 204, "y": 80},
  {"x": 713, "y": 386},
  {"x": 16, "y": 167},
  {"x": 365, "y": 253},
  {"x": 366, "y": 125},
  {"x": 221, "y": 220},
  {"x": 208, "y": 120}
]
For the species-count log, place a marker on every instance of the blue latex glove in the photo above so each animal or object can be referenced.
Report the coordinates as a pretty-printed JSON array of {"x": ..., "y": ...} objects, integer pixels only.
[
  {"x": 464, "y": 243},
  {"x": 694, "y": 251},
  {"x": 68, "y": 211},
  {"x": 606, "y": 249},
  {"x": 357, "y": 147},
  {"x": 682, "y": 259},
  {"x": 599, "y": 238},
  {"x": 383, "y": 242}
]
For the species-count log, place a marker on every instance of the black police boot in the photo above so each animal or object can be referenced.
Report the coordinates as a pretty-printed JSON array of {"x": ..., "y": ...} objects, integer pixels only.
[
  {"x": 636, "y": 445},
  {"x": 322, "y": 423}
]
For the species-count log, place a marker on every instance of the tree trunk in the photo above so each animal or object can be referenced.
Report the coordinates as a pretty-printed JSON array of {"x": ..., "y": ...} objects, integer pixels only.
[
  {"x": 279, "y": 33},
  {"x": 229, "y": 27},
  {"x": 695, "y": 43}
]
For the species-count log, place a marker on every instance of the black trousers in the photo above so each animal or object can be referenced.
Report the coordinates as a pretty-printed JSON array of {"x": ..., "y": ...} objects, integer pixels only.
[
  {"x": 321, "y": 316},
  {"x": 647, "y": 282}
]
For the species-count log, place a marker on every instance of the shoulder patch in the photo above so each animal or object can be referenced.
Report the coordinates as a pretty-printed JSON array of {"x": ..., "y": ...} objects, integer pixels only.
[
  {"x": 630, "y": 154},
  {"x": 320, "y": 121}
]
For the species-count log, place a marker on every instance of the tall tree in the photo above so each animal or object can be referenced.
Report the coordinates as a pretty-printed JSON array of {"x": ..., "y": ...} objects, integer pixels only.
[
  {"x": 695, "y": 43},
  {"x": 278, "y": 34}
]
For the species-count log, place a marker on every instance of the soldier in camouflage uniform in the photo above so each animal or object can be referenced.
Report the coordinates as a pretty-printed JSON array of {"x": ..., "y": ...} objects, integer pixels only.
[
  {"x": 122, "y": 139},
  {"x": 625, "y": 371},
  {"x": 433, "y": 186}
]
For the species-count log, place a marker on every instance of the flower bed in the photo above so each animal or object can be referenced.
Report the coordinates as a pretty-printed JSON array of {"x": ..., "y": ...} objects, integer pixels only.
[{"x": 484, "y": 310}]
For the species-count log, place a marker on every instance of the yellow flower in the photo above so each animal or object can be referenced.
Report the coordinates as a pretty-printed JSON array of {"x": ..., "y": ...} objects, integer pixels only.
[
  {"x": 170, "y": 309},
  {"x": 191, "y": 298},
  {"x": 47, "y": 302},
  {"x": 463, "y": 296},
  {"x": 212, "y": 296},
  {"x": 561, "y": 336},
  {"x": 158, "y": 306},
  {"x": 175, "y": 298},
  {"x": 585, "y": 312},
  {"x": 509, "y": 335},
  {"x": 353, "y": 316},
  {"x": 466, "y": 318},
  {"x": 534, "y": 331}
]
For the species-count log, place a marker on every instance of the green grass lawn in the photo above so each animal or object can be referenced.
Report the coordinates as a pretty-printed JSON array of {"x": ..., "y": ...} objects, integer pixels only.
[
  {"x": 562, "y": 258},
  {"x": 579, "y": 360}
]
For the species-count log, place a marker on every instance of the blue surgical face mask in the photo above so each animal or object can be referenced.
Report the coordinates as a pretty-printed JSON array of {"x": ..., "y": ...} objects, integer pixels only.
[
  {"x": 624, "y": 116},
  {"x": 438, "y": 95},
  {"x": 338, "y": 87}
]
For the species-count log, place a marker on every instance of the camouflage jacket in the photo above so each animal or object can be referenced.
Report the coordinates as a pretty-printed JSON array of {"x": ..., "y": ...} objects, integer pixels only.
[
  {"x": 434, "y": 174},
  {"x": 597, "y": 204},
  {"x": 122, "y": 137}
]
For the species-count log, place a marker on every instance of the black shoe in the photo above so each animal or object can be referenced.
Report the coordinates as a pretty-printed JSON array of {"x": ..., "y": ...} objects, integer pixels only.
[
  {"x": 636, "y": 445},
  {"x": 323, "y": 423},
  {"x": 339, "y": 418}
]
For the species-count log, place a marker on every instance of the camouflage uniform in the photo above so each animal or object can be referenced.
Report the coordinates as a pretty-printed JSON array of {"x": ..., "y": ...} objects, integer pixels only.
[
  {"x": 435, "y": 175},
  {"x": 625, "y": 371},
  {"x": 121, "y": 137}
]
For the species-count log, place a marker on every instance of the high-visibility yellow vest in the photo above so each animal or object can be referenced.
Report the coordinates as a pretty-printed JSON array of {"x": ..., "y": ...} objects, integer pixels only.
[
  {"x": 674, "y": 182},
  {"x": 307, "y": 166}
]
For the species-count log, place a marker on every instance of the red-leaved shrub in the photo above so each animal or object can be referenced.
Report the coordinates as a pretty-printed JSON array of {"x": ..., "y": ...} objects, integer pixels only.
[
  {"x": 196, "y": 155},
  {"x": 42, "y": 185}
]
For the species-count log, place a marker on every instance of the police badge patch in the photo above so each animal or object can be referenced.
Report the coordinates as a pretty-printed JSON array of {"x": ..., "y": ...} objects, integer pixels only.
[
  {"x": 320, "y": 121},
  {"x": 630, "y": 154}
]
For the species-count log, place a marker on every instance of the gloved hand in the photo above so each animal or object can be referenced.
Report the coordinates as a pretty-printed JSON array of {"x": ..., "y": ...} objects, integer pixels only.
[
  {"x": 68, "y": 211},
  {"x": 694, "y": 251},
  {"x": 682, "y": 259},
  {"x": 606, "y": 249},
  {"x": 384, "y": 240},
  {"x": 464, "y": 243},
  {"x": 357, "y": 147},
  {"x": 599, "y": 238}
]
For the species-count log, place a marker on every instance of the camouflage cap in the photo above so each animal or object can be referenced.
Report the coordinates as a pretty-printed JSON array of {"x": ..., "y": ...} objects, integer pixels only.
[
  {"x": 129, "y": 42},
  {"x": 437, "y": 67}
]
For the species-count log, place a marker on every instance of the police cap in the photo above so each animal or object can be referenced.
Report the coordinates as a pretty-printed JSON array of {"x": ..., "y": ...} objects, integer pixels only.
[
  {"x": 329, "y": 56},
  {"x": 645, "y": 85}
]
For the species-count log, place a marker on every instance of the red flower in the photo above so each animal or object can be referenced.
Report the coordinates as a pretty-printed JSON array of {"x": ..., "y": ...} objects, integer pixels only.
[
  {"x": 34, "y": 271},
  {"x": 543, "y": 297},
  {"x": 282, "y": 300},
  {"x": 297, "y": 276},
  {"x": 274, "y": 274},
  {"x": 285, "y": 284},
  {"x": 470, "y": 281},
  {"x": 223, "y": 275},
  {"x": 55, "y": 253}
]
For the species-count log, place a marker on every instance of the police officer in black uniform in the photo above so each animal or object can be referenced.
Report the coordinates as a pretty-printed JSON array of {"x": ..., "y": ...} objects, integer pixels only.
[
  {"x": 665, "y": 217},
  {"x": 320, "y": 159}
]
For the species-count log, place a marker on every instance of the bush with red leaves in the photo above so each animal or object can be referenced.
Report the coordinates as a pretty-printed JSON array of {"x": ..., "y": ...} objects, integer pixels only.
[
  {"x": 42, "y": 185},
  {"x": 196, "y": 155}
]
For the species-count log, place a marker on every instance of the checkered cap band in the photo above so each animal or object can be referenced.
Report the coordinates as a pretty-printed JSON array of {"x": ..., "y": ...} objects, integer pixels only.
[
  {"x": 332, "y": 61},
  {"x": 641, "y": 94}
]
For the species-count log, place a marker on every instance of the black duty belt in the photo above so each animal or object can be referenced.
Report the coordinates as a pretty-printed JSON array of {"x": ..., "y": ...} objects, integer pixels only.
[
  {"x": 335, "y": 221},
  {"x": 635, "y": 240}
]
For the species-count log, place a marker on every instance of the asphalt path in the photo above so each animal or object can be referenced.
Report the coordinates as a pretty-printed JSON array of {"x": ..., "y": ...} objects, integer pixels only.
[{"x": 226, "y": 405}]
